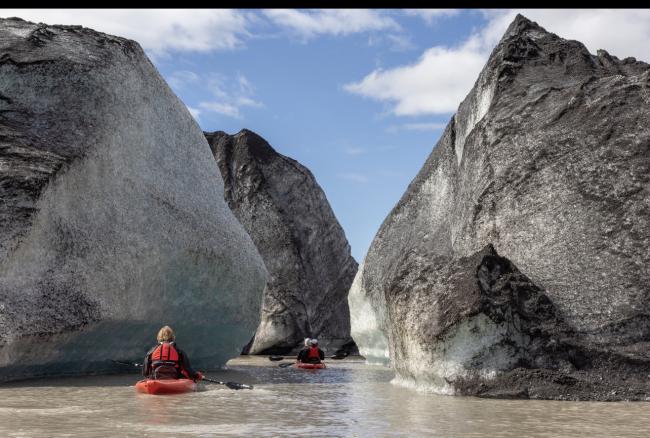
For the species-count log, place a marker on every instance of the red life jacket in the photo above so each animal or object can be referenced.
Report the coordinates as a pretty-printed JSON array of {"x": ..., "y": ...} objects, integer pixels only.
[
  {"x": 165, "y": 360},
  {"x": 313, "y": 353}
]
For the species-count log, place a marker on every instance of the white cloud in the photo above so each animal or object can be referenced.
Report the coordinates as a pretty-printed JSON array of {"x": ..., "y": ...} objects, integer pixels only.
[
  {"x": 400, "y": 42},
  {"x": 158, "y": 31},
  {"x": 392, "y": 174},
  {"x": 355, "y": 151},
  {"x": 441, "y": 78},
  {"x": 354, "y": 177},
  {"x": 244, "y": 85},
  {"x": 422, "y": 126},
  {"x": 216, "y": 83},
  {"x": 219, "y": 93},
  {"x": 229, "y": 95},
  {"x": 195, "y": 112},
  {"x": 311, "y": 23},
  {"x": 426, "y": 126},
  {"x": 247, "y": 101},
  {"x": 226, "y": 109},
  {"x": 430, "y": 15},
  {"x": 434, "y": 84},
  {"x": 396, "y": 42},
  {"x": 182, "y": 78}
]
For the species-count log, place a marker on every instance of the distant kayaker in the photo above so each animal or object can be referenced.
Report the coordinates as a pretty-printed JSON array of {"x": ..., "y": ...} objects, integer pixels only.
[
  {"x": 303, "y": 353},
  {"x": 167, "y": 361},
  {"x": 312, "y": 354}
]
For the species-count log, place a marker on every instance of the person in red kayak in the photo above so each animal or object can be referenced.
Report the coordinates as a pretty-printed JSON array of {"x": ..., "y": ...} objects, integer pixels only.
[
  {"x": 313, "y": 354},
  {"x": 167, "y": 361}
]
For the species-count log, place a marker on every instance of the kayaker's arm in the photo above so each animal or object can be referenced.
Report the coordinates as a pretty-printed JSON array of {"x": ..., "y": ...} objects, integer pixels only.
[
  {"x": 185, "y": 364},
  {"x": 146, "y": 365}
]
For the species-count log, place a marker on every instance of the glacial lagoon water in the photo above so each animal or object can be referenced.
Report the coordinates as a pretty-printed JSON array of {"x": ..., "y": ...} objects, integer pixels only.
[{"x": 349, "y": 399}]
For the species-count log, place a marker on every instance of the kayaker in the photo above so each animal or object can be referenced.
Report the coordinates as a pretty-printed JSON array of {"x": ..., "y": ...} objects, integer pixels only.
[
  {"x": 305, "y": 349},
  {"x": 302, "y": 354},
  {"x": 167, "y": 361},
  {"x": 313, "y": 354}
]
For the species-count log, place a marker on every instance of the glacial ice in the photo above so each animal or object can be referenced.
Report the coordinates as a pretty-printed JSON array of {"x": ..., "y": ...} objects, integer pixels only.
[
  {"x": 365, "y": 325},
  {"x": 127, "y": 230}
]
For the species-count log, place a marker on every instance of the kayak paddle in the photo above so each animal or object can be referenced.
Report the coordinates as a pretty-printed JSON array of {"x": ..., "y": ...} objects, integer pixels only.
[
  {"x": 128, "y": 363},
  {"x": 338, "y": 356},
  {"x": 275, "y": 358},
  {"x": 231, "y": 385},
  {"x": 286, "y": 364}
]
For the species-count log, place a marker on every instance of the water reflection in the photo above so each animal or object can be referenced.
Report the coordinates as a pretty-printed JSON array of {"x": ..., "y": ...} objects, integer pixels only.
[
  {"x": 345, "y": 400},
  {"x": 159, "y": 410}
]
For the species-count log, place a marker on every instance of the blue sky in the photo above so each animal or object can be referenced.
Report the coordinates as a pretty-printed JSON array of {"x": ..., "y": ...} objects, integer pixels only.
[{"x": 360, "y": 97}]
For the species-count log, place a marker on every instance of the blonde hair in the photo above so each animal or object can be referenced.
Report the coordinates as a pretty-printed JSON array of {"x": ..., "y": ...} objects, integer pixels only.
[{"x": 165, "y": 334}]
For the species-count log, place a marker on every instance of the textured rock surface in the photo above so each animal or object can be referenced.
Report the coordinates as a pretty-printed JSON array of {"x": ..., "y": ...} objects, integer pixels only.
[
  {"x": 305, "y": 250},
  {"x": 548, "y": 160},
  {"x": 112, "y": 213}
]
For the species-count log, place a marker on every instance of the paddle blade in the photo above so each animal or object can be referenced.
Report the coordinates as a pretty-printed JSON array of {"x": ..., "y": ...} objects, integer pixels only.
[
  {"x": 231, "y": 385},
  {"x": 274, "y": 358},
  {"x": 235, "y": 385},
  {"x": 131, "y": 364},
  {"x": 286, "y": 364},
  {"x": 341, "y": 355}
]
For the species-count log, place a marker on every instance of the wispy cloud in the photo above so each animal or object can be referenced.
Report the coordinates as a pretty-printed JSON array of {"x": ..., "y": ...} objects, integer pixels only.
[
  {"x": 395, "y": 42},
  {"x": 432, "y": 126},
  {"x": 159, "y": 31},
  {"x": 423, "y": 126},
  {"x": 182, "y": 78},
  {"x": 221, "y": 94},
  {"x": 400, "y": 42},
  {"x": 353, "y": 177},
  {"x": 391, "y": 174},
  {"x": 311, "y": 23},
  {"x": 430, "y": 15},
  {"x": 226, "y": 109},
  {"x": 195, "y": 112},
  {"x": 355, "y": 151},
  {"x": 229, "y": 95}
]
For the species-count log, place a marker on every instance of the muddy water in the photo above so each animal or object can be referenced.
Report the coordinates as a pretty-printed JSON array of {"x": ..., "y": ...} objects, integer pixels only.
[{"x": 349, "y": 399}]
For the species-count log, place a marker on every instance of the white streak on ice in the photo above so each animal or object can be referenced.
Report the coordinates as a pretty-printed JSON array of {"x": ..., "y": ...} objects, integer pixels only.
[
  {"x": 365, "y": 325},
  {"x": 466, "y": 120}
]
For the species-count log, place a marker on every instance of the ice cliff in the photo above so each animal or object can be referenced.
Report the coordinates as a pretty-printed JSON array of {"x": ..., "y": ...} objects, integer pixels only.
[
  {"x": 112, "y": 215},
  {"x": 516, "y": 263},
  {"x": 304, "y": 248}
]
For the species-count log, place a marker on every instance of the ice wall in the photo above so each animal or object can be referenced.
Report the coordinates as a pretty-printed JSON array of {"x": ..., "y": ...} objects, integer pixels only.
[
  {"x": 365, "y": 324},
  {"x": 114, "y": 221}
]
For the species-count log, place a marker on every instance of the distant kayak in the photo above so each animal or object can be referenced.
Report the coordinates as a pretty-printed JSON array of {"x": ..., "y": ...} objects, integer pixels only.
[
  {"x": 310, "y": 366},
  {"x": 167, "y": 386}
]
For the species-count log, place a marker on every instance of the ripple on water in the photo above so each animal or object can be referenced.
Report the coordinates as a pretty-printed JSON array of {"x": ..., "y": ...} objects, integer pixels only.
[{"x": 344, "y": 400}]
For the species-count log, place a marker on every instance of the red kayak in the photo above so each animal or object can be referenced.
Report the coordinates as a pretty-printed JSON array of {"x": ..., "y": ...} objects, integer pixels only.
[
  {"x": 167, "y": 386},
  {"x": 310, "y": 366}
]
